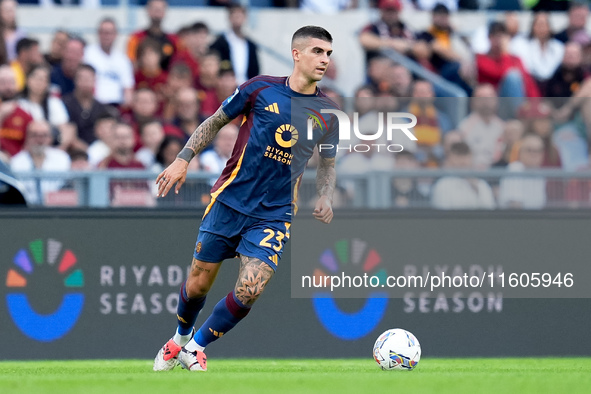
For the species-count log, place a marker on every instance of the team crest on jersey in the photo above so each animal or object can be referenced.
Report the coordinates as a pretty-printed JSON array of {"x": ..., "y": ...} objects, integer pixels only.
[{"x": 231, "y": 97}]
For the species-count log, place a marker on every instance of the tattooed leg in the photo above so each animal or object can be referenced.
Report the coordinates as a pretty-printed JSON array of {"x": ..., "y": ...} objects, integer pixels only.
[{"x": 252, "y": 279}]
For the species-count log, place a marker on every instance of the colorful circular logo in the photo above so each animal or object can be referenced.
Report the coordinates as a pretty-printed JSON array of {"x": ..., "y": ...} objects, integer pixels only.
[
  {"x": 290, "y": 132},
  {"x": 44, "y": 327},
  {"x": 345, "y": 325}
]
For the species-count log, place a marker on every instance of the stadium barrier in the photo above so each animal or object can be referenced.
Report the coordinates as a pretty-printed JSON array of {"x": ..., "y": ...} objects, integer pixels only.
[
  {"x": 364, "y": 189},
  {"x": 86, "y": 284}
]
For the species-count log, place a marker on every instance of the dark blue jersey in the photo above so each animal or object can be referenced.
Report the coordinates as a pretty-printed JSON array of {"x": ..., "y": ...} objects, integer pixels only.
[{"x": 273, "y": 147}]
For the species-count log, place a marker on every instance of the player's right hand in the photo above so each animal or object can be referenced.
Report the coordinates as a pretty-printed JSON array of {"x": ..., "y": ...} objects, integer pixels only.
[{"x": 174, "y": 173}]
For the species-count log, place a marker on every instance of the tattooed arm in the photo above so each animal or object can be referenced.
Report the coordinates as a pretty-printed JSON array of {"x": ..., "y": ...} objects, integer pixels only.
[
  {"x": 326, "y": 178},
  {"x": 202, "y": 137}
]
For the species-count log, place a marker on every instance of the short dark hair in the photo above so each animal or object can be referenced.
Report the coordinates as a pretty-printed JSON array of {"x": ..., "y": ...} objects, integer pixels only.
[
  {"x": 312, "y": 32},
  {"x": 236, "y": 7},
  {"x": 460, "y": 149},
  {"x": 198, "y": 27},
  {"x": 25, "y": 44},
  {"x": 496, "y": 28},
  {"x": 86, "y": 66},
  {"x": 78, "y": 154}
]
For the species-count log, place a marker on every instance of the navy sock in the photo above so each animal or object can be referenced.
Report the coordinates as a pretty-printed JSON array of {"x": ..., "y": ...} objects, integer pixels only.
[
  {"x": 226, "y": 314},
  {"x": 188, "y": 310}
]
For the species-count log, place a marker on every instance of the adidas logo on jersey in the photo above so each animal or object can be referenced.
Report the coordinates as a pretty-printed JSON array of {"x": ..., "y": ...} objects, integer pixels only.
[{"x": 272, "y": 108}]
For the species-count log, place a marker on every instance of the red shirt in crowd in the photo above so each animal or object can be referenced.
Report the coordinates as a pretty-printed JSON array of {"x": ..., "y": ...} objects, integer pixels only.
[
  {"x": 13, "y": 131},
  {"x": 492, "y": 70}
]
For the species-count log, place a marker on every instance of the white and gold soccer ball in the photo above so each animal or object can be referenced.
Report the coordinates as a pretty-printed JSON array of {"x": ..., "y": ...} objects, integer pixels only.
[{"x": 397, "y": 349}]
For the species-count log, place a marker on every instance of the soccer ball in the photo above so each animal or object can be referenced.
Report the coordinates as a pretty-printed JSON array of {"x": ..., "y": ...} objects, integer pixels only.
[{"x": 397, "y": 349}]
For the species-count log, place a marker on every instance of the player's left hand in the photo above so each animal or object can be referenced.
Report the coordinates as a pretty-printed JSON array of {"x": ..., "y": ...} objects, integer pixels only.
[{"x": 323, "y": 210}]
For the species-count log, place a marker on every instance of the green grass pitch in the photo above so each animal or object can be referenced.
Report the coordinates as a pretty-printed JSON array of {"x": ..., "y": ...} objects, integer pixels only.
[{"x": 495, "y": 375}]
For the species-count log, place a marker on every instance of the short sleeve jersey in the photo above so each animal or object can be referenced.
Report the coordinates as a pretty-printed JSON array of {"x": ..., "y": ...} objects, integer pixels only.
[{"x": 273, "y": 146}]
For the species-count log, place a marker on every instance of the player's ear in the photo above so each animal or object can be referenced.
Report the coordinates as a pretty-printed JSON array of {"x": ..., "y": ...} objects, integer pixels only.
[{"x": 295, "y": 54}]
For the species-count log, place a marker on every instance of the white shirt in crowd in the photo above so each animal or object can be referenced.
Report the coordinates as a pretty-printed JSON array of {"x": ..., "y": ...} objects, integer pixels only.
[
  {"x": 55, "y": 160},
  {"x": 97, "y": 152},
  {"x": 484, "y": 138},
  {"x": 238, "y": 56},
  {"x": 57, "y": 112},
  {"x": 459, "y": 193},
  {"x": 212, "y": 162},
  {"x": 146, "y": 157},
  {"x": 529, "y": 192},
  {"x": 540, "y": 63},
  {"x": 114, "y": 73}
]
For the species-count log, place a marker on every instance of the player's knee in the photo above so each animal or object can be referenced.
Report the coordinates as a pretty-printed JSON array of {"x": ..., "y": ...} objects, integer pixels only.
[{"x": 197, "y": 286}]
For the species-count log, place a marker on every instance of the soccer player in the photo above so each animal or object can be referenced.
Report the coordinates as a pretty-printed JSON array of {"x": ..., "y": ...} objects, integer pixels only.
[{"x": 252, "y": 201}]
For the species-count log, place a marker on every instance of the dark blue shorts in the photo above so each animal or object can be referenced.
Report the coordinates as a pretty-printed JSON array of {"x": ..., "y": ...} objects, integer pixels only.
[{"x": 224, "y": 233}]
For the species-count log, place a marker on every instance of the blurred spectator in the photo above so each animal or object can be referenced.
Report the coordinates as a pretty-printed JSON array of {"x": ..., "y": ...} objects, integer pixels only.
[
  {"x": 179, "y": 77},
  {"x": 378, "y": 70},
  {"x": 450, "y": 138},
  {"x": 11, "y": 32},
  {"x": 152, "y": 135},
  {"x": 167, "y": 43},
  {"x": 400, "y": 80},
  {"x": 58, "y": 47},
  {"x": 235, "y": 48},
  {"x": 39, "y": 155},
  {"x": 364, "y": 101},
  {"x": 512, "y": 133},
  {"x": 206, "y": 86},
  {"x": 482, "y": 130},
  {"x": 143, "y": 109},
  {"x": 525, "y": 192},
  {"x": 8, "y": 89},
  {"x": 62, "y": 75},
  {"x": 82, "y": 3},
  {"x": 540, "y": 54},
  {"x": 431, "y": 125},
  {"x": 430, "y": 5},
  {"x": 13, "y": 119},
  {"x": 447, "y": 50},
  {"x": 503, "y": 70},
  {"x": 214, "y": 160},
  {"x": 569, "y": 76},
  {"x": 226, "y": 85},
  {"x": 186, "y": 107},
  {"x": 169, "y": 148},
  {"x": 114, "y": 72},
  {"x": 538, "y": 121},
  {"x": 454, "y": 192},
  {"x": 479, "y": 42},
  {"x": 326, "y": 6},
  {"x": 122, "y": 156},
  {"x": 404, "y": 190},
  {"x": 101, "y": 147},
  {"x": 149, "y": 73},
  {"x": 79, "y": 161},
  {"x": 27, "y": 56},
  {"x": 388, "y": 32},
  {"x": 577, "y": 22},
  {"x": 193, "y": 45},
  {"x": 38, "y": 103},
  {"x": 83, "y": 108}
]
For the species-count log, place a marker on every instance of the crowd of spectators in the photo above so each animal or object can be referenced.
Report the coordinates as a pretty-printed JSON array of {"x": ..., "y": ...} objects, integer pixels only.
[{"x": 93, "y": 107}]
